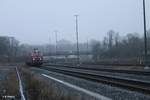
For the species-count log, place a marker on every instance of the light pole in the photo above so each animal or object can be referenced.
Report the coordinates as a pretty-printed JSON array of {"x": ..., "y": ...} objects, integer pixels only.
[
  {"x": 87, "y": 45},
  {"x": 78, "y": 59},
  {"x": 50, "y": 45},
  {"x": 145, "y": 35},
  {"x": 56, "y": 41},
  {"x": 56, "y": 45}
]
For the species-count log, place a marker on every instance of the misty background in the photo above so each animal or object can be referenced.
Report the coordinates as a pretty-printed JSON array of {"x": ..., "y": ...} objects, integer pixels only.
[
  {"x": 34, "y": 21},
  {"x": 109, "y": 30}
]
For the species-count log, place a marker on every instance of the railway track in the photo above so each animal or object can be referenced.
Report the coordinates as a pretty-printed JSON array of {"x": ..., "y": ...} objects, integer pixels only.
[
  {"x": 127, "y": 83},
  {"x": 135, "y": 72}
]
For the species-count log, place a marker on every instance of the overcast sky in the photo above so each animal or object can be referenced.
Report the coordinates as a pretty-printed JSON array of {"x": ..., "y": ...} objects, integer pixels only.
[{"x": 34, "y": 21}]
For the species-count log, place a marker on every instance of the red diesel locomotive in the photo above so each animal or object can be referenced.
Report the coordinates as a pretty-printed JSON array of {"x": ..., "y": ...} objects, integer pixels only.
[{"x": 34, "y": 58}]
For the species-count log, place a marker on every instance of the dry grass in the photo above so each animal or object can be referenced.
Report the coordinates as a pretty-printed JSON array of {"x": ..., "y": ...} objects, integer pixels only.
[
  {"x": 9, "y": 86},
  {"x": 38, "y": 88}
]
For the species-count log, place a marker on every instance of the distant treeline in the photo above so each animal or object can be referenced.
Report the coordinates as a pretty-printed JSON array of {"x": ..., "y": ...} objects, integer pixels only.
[
  {"x": 9, "y": 47},
  {"x": 113, "y": 47},
  {"x": 116, "y": 47}
]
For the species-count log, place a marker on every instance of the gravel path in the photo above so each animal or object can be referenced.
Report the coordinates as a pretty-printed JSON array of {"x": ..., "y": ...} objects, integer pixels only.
[{"x": 106, "y": 90}]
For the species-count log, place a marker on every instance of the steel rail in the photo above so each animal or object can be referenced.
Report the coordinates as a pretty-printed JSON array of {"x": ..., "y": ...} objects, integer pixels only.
[
  {"x": 20, "y": 85},
  {"x": 136, "y": 72},
  {"x": 130, "y": 84}
]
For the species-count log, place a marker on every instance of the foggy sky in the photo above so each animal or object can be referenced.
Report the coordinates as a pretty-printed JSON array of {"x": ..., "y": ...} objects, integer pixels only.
[{"x": 34, "y": 21}]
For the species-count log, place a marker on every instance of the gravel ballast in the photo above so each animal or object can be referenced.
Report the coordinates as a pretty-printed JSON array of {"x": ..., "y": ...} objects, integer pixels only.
[{"x": 106, "y": 90}]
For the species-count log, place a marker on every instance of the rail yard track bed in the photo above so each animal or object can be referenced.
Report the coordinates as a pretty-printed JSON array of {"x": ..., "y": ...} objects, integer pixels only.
[
  {"x": 102, "y": 66},
  {"x": 135, "y": 80},
  {"x": 47, "y": 89},
  {"x": 127, "y": 74},
  {"x": 117, "y": 66},
  {"x": 106, "y": 90}
]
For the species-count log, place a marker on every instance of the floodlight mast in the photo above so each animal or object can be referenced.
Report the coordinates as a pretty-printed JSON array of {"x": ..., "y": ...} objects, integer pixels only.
[
  {"x": 77, "y": 37},
  {"x": 145, "y": 35}
]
